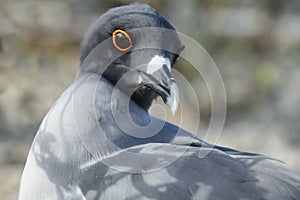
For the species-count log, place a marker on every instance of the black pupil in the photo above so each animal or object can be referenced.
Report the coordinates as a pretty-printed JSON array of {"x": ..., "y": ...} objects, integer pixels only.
[{"x": 122, "y": 41}]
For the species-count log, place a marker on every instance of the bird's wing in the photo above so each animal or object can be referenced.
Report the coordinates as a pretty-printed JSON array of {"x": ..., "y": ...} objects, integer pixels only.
[{"x": 168, "y": 171}]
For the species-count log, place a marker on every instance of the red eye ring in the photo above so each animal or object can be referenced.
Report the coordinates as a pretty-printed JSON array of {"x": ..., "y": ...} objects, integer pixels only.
[{"x": 114, "y": 40}]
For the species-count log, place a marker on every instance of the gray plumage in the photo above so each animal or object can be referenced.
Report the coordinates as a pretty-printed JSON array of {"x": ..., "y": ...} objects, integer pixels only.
[{"x": 80, "y": 152}]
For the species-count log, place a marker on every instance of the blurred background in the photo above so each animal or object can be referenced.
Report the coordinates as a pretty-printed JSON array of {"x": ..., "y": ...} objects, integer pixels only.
[{"x": 255, "y": 44}]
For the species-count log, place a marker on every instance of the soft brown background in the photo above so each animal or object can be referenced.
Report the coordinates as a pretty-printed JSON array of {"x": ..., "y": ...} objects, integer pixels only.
[{"x": 256, "y": 45}]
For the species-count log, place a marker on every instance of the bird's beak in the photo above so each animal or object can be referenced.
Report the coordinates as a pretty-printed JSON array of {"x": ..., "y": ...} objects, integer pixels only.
[
  {"x": 162, "y": 81},
  {"x": 173, "y": 99}
]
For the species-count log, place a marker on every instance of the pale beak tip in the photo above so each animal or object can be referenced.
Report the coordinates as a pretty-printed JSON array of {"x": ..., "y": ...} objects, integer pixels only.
[{"x": 173, "y": 99}]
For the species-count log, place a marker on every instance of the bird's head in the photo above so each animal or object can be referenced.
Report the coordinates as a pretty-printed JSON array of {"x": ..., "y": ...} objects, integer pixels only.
[{"x": 138, "y": 49}]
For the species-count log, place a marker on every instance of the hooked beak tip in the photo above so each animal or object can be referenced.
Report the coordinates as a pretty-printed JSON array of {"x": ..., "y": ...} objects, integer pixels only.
[{"x": 173, "y": 99}]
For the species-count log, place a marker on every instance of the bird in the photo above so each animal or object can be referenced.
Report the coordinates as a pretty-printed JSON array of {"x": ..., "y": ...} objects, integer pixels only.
[{"x": 98, "y": 140}]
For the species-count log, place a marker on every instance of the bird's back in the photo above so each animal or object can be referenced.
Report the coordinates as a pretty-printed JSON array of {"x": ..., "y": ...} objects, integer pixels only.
[{"x": 218, "y": 175}]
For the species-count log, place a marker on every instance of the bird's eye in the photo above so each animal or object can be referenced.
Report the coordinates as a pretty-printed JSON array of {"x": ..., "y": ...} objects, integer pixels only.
[{"x": 121, "y": 40}]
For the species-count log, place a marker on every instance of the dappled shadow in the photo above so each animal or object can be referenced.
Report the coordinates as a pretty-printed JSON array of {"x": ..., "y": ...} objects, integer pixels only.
[
  {"x": 189, "y": 177},
  {"x": 137, "y": 169},
  {"x": 52, "y": 148}
]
